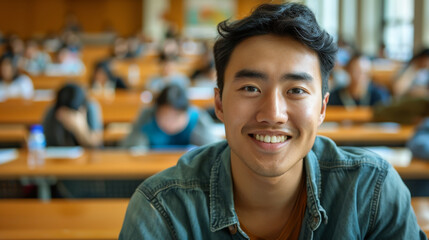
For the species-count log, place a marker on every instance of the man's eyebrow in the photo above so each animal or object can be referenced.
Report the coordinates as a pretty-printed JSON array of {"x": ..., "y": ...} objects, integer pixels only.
[
  {"x": 246, "y": 73},
  {"x": 297, "y": 76}
]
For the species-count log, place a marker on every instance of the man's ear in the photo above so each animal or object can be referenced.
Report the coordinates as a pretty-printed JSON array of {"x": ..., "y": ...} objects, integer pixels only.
[
  {"x": 323, "y": 110},
  {"x": 218, "y": 105}
]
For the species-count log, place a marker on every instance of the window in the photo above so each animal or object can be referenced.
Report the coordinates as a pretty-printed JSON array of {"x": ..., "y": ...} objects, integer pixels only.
[{"x": 398, "y": 30}]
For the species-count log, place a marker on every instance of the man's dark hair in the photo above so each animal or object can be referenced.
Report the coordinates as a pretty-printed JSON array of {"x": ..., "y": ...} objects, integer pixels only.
[
  {"x": 175, "y": 96},
  {"x": 290, "y": 19}
]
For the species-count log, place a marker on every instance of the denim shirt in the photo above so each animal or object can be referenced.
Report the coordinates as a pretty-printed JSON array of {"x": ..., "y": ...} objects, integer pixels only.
[{"x": 351, "y": 194}]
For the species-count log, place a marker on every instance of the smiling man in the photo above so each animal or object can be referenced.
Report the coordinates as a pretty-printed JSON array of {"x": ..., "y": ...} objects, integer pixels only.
[{"x": 273, "y": 178}]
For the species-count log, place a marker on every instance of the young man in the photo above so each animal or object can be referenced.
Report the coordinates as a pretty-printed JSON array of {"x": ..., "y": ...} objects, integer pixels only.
[{"x": 272, "y": 178}]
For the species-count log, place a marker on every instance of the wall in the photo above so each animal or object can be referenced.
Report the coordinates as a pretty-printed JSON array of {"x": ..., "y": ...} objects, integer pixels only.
[
  {"x": 38, "y": 17},
  {"x": 31, "y": 17}
]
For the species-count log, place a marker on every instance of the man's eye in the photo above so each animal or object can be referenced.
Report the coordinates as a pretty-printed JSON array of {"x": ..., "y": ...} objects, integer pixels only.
[
  {"x": 250, "y": 89},
  {"x": 296, "y": 91}
]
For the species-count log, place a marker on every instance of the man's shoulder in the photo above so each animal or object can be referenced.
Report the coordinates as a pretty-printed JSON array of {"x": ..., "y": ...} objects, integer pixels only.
[
  {"x": 192, "y": 171},
  {"x": 331, "y": 156}
]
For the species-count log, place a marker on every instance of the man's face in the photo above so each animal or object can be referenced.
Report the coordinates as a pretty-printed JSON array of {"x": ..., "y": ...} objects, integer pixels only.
[{"x": 271, "y": 103}]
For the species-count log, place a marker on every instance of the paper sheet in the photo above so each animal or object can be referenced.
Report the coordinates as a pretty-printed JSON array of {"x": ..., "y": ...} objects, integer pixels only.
[
  {"x": 63, "y": 152},
  {"x": 400, "y": 157},
  {"x": 7, "y": 155}
]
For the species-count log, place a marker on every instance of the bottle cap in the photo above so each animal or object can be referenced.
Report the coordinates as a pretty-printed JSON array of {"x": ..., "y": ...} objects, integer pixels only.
[{"x": 36, "y": 128}]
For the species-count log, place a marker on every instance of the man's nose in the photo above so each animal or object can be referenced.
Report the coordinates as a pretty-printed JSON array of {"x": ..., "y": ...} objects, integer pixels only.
[{"x": 273, "y": 109}]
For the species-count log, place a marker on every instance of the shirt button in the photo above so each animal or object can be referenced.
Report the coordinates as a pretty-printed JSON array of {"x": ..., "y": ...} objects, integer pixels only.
[
  {"x": 233, "y": 229},
  {"x": 315, "y": 219}
]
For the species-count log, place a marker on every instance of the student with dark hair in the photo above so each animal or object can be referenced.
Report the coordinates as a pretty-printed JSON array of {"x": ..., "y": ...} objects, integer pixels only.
[
  {"x": 73, "y": 120},
  {"x": 360, "y": 91},
  {"x": 104, "y": 79},
  {"x": 12, "y": 83},
  {"x": 171, "y": 123},
  {"x": 273, "y": 178}
]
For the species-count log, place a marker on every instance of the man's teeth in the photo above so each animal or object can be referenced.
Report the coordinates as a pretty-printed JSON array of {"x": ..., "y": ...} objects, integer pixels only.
[{"x": 270, "y": 139}]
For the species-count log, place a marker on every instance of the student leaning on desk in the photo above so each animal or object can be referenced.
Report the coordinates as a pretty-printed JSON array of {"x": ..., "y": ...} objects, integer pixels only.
[
  {"x": 273, "y": 178},
  {"x": 73, "y": 120}
]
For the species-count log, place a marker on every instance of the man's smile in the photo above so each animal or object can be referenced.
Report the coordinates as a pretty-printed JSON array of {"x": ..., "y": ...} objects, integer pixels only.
[{"x": 267, "y": 138}]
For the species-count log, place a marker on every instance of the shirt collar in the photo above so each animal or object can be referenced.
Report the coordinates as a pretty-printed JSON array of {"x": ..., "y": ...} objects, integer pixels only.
[
  {"x": 317, "y": 212},
  {"x": 222, "y": 213}
]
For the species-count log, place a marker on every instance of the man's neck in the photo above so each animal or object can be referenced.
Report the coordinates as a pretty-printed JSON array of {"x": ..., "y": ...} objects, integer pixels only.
[{"x": 265, "y": 201}]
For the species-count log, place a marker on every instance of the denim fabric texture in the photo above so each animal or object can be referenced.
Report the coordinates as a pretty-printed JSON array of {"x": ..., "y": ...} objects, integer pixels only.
[{"x": 351, "y": 194}]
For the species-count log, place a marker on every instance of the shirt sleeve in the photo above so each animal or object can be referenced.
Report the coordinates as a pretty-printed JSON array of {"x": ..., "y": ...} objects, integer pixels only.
[
  {"x": 95, "y": 121},
  {"x": 394, "y": 216},
  {"x": 143, "y": 220}
]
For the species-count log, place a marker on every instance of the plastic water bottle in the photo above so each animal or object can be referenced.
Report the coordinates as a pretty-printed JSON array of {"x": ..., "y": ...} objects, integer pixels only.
[{"x": 36, "y": 146}]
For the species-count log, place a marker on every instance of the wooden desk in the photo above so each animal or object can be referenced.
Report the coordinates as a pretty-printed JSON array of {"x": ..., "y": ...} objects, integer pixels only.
[
  {"x": 93, "y": 164},
  {"x": 13, "y": 133},
  {"x": 340, "y": 114},
  {"x": 92, "y": 219},
  {"x": 61, "y": 219},
  {"x": 418, "y": 169},
  {"x": 421, "y": 208},
  {"x": 369, "y": 134},
  {"x": 19, "y": 111},
  {"x": 55, "y": 82},
  {"x": 122, "y": 164}
]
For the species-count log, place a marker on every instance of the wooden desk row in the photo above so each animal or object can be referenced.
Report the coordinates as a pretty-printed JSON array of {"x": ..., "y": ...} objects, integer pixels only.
[
  {"x": 119, "y": 107},
  {"x": 61, "y": 219},
  {"x": 92, "y": 219},
  {"x": 341, "y": 134},
  {"x": 142, "y": 69},
  {"x": 124, "y": 164}
]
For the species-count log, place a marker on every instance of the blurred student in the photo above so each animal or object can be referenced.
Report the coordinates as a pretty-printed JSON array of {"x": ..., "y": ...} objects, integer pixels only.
[
  {"x": 205, "y": 74},
  {"x": 419, "y": 143},
  {"x": 170, "y": 123},
  {"x": 414, "y": 79},
  {"x": 73, "y": 120},
  {"x": 68, "y": 63},
  {"x": 360, "y": 91},
  {"x": 15, "y": 47},
  {"x": 104, "y": 79},
  {"x": 168, "y": 75},
  {"x": 120, "y": 49},
  {"x": 35, "y": 61},
  {"x": 12, "y": 83}
]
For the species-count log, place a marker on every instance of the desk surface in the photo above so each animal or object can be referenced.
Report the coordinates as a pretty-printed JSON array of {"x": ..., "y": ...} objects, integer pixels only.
[
  {"x": 92, "y": 219},
  {"x": 421, "y": 208},
  {"x": 94, "y": 163},
  {"x": 122, "y": 164},
  {"x": 62, "y": 219},
  {"x": 367, "y": 134},
  {"x": 340, "y": 114}
]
